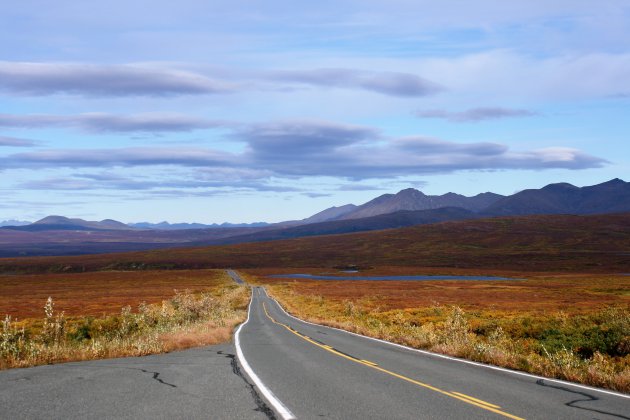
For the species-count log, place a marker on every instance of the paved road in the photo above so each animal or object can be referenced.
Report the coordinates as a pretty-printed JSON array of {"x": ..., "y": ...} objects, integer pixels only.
[
  {"x": 322, "y": 372},
  {"x": 193, "y": 384},
  {"x": 235, "y": 276}
]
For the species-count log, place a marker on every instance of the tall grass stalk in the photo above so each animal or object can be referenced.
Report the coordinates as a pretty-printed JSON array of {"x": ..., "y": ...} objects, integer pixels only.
[{"x": 183, "y": 321}]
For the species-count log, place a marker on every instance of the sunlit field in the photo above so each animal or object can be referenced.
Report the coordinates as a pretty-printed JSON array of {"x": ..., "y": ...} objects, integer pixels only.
[
  {"x": 97, "y": 293},
  {"x": 575, "y": 327},
  {"x": 54, "y": 318}
]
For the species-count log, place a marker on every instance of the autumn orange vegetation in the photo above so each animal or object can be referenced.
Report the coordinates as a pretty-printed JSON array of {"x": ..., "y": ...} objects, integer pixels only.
[
  {"x": 575, "y": 327},
  {"x": 539, "y": 293},
  {"x": 158, "y": 321},
  {"x": 98, "y": 293}
]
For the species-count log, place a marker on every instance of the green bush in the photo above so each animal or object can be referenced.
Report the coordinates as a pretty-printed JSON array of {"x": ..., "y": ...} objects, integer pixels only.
[{"x": 83, "y": 331}]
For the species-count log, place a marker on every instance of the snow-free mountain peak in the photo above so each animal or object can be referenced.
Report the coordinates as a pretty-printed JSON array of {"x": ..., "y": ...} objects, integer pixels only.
[
  {"x": 412, "y": 199},
  {"x": 563, "y": 198},
  {"x": 80, "y": 224}
]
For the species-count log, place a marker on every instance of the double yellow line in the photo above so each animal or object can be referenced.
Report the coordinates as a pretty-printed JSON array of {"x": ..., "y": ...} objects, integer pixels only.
[{"x": 457, "y": 395}]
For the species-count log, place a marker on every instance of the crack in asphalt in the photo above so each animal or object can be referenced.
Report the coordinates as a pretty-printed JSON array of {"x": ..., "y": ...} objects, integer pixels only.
[
  {"x": 589, "y": 398},
  {"x": 260, "y": 403},
  {"x": 156, "y": 376}
]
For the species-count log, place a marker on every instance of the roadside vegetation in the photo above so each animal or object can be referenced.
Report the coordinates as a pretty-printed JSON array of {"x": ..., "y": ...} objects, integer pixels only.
[
  {"x": 184, "y": 320},
  {"x": 586, "y": 342}
]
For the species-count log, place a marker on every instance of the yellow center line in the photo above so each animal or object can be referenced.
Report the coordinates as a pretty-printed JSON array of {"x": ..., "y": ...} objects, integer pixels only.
[
  {"x": 462, "y": 397},
  {"x": 475, "y": 399}
]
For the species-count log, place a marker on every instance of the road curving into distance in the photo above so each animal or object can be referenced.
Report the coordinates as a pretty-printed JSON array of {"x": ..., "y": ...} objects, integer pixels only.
[
  {"x": 303, "y": 371},
  {"x": 236, "y": 277},
  {"x": 314, "y": 371}
]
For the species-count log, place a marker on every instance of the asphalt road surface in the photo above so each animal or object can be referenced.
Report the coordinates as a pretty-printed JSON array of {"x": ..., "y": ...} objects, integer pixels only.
[
  {"x": 313, "y": 372},
  {"x": 201, "y": 383},
  {"x": 236, "y": 277}
]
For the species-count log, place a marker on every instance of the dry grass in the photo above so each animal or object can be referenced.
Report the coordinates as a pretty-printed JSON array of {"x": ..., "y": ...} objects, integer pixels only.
[
  {"x": 203, "y": 335},
  {"x": 185, "y": 320},
  {"x": 573, "y": 294},
  {"x": 574, "y": 327}
]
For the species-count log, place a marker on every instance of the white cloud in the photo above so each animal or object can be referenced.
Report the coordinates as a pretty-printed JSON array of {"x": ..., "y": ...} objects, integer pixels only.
[
  {"x": 476, "y": 114},
  {"x": 16, "y": 142},
  {"x": 103, "y": 122},
  {"x": 103, "y": 80},
  {"x": 310, "y": 149}
]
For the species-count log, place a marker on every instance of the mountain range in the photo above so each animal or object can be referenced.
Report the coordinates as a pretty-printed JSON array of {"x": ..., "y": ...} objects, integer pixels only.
[
  {"x": 411, "y": 199},
  {"x": 65, "y": 223},
  {"x": 184, "y": 226},
  {"x": 540, "y": 243},
  {"x": 58, "y": 235},
  {"x": 14, "y": 223},
  {"x": 609, "y": 197}
]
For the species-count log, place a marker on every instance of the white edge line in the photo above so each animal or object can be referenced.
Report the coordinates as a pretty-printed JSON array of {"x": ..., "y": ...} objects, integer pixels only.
[
  {"x": 278, "y": 406},
  {"x": 469, "y": 362}
]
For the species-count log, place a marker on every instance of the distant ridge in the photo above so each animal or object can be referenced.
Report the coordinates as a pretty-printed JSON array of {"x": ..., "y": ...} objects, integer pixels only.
[
  {"x": 397, "y": 219},
  {"x": 516, "y": 243},
  {"x": 609, "y": 197},
  {"x": 14, "y": 223},
  {"x": 562, "y": 198},
  {"x": 184, "y": 226},
  {"x": 411, "y": 199},
  {"x": 58, "y": 235},
  {"x": 65, "y": 223}
]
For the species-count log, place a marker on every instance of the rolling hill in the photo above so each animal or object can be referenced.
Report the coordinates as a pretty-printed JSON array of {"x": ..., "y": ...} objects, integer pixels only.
[
  {"x": 559, "y": 243},
  {"x": 383, "y": 221},
  {"x": 65, "y": 223}
]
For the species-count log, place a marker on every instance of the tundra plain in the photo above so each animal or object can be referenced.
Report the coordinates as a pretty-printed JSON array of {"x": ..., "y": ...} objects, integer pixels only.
[{"x": 574, "y": 327}]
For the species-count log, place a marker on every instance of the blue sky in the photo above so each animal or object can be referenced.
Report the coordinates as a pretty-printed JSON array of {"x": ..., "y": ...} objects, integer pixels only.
[{"x": 246, "y": 111}]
